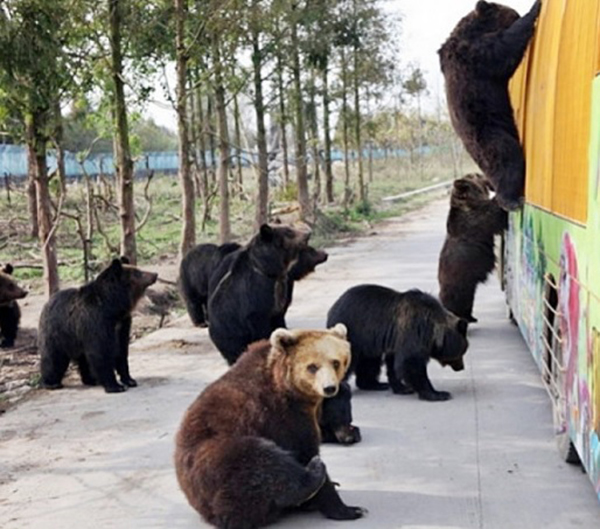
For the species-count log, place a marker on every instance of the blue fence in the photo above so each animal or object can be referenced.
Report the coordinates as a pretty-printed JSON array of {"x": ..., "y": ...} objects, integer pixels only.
[{"x": 13, "y": 161}]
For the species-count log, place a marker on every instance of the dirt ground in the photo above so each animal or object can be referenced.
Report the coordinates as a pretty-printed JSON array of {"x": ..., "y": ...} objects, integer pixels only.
[{"x": 19, "y": 365}]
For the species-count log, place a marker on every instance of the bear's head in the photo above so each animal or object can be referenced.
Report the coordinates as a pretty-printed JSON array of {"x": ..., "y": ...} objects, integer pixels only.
[
  {"x": 310, "y": 363},
  {"x": 274, "y": 249},
  {"x": 452, "y": 344},
  {"x": 469, "y": 191},
  {"x": 308, "y": 259},
  {"x": 123, "y": 278},
  {"x": 9, "y": 290},
  {"x": 490, "y": 17}
]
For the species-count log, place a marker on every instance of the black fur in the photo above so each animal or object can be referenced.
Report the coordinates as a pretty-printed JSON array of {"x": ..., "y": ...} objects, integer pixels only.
[
  {"x": 194, "y": 274},
  {"x": 91, "y": 326},
  {"x": 10, "y": 312},
  {"x": 248, "y": 293},
  {"x": 335, "y": 421},
  {"x": 405, "y": 328}
]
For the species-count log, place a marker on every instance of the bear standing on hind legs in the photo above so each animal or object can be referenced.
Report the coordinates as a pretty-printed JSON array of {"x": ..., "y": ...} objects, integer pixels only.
[
  {"x": 248, "y": 446},
  {"x": 467, "y": 257},
  {"x": 91, "y": 326},
  {"x": 478, "y": 60}
]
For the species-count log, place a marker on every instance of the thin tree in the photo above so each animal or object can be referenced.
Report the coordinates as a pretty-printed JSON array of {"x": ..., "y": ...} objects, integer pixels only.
[
  {"x": 124, "y": 162},
  {"x": 188, "y": 229}
]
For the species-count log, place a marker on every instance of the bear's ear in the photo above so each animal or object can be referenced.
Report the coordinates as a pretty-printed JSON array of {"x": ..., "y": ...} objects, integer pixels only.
[
  {"x": 482, "y": 7},
  {"x": 8, "y": 269},
  {"x": 125, "y": 260},
  {"x": 116, "y": 266},
  {"x": 282, "y": 339},
  {"x": 266, "y": 232},
  {"x": 339, "y": 330},
  {"x": 462, "y": 326}
]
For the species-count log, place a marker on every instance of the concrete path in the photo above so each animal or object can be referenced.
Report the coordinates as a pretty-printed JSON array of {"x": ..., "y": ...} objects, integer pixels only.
[{"x": 79, "y": 458}]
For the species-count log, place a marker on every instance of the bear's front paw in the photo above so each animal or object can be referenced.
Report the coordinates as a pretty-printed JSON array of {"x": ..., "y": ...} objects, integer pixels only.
[
  {"x": 348, "y": 435},
  {"x": 435, "y": 395},
  {"x": 7, "y": 344},
  {"x": 129, "y": 382},
  {"x": 116, "y": 388},
  {"x": 347, "y": 512}
]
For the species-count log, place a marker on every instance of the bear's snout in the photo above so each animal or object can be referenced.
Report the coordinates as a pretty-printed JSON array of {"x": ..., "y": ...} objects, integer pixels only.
[{"x": 330, "y": 391}]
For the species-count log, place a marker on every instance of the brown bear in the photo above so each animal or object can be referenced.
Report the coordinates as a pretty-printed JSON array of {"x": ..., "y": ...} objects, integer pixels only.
[
  {"x": 248, "y": 293},
  {"x": 91, "y": 326},
  {"x": 404, "y": 329},
  {"x": 248, "y": 446},
  {"x": 10, "y": 313},
  {"x": 477, "y": 61},
  {"x": 467, "y": 256}
]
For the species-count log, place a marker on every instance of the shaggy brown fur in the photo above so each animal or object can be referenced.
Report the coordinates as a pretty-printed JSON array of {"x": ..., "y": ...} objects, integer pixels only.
[
  {"x": 478, "y": 59},
  {"x": 248, "y": 446},
  {"x": 467, "y": 257}
]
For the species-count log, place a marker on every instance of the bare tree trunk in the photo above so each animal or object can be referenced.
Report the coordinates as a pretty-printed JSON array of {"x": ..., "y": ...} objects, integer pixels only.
[
  {"x": 238, "y": 142},
  {"x": 188, "y": 231},
  {"x": 202, "y": 142},
  {"x": 282, "y": 119},
  {"x": 32, "y": 191},
  {"x": 301, "y": 174},
  {"x": 37, "y": 144},
  {"x": 124, "y": 165},
  {"x": 345, "y": 132},
  {"x": 58, "y": 144},
  {"x": 262, "y": 197},
  {"x": 224, "y": 221},
  {"x": 210, "y": 131},
  {"x": 362, "y": 192},
  {"x": 327, "y": 137},
  {"x": 314, "y": 138}
]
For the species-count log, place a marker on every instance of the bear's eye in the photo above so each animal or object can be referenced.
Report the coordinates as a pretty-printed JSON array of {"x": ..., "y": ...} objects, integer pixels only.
[
  {"x": 336, "y": 364},
  {"x": 312, "y": 368}
]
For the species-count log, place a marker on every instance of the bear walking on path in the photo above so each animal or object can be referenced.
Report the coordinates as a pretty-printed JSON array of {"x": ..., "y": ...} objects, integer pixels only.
[
  {"x": 248, "y": 447},
  {"x": 405, "y": 329},
  {"x": 91, "y": 326},
  {"x": 10, "y": 313},
  {"x": 249, "y": 290},
  {"x": 467, "y": 257},
  {"x": 477, "y": 61}
]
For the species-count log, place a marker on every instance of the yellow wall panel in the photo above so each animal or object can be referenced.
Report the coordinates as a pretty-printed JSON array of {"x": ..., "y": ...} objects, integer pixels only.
[
  {"x": 576, "y": 67},
  {"x": 551, "y": 93}
]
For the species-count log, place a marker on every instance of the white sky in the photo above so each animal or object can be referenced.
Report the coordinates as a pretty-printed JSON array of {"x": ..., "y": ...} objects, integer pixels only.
[{"x": 426, "y": 25}]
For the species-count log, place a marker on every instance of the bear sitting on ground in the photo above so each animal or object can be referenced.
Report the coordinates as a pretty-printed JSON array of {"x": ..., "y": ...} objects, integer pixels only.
[
  {"x": 10, "y": 313},
  {"x": 404, "y": 328},
  {"x": 248, "y": 291},
  {"x": 467, "y": 256},
  {"x": 248, "y": 447},
  {"x": 194, "y": 274},
  {"x": 478, "y": 60},
  {"x": 335, "y": 420},
  {"x": 91, "y": 326}
]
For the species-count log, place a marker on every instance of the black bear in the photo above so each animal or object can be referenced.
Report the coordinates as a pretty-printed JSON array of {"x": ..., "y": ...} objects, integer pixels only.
[
  {"x": 10, "y": 313},
  {"x": 405, "y": 329},
  {"x": 335, "y": 420},
  {"x": 477, "y": 61},
  {"x": 467, "y": 256},
  {"x": 248, "y": 446},
  {"x": 91, "y": 326},
  {"x": 195, "y": 271},
  {"x": 249, "y": 290}
]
